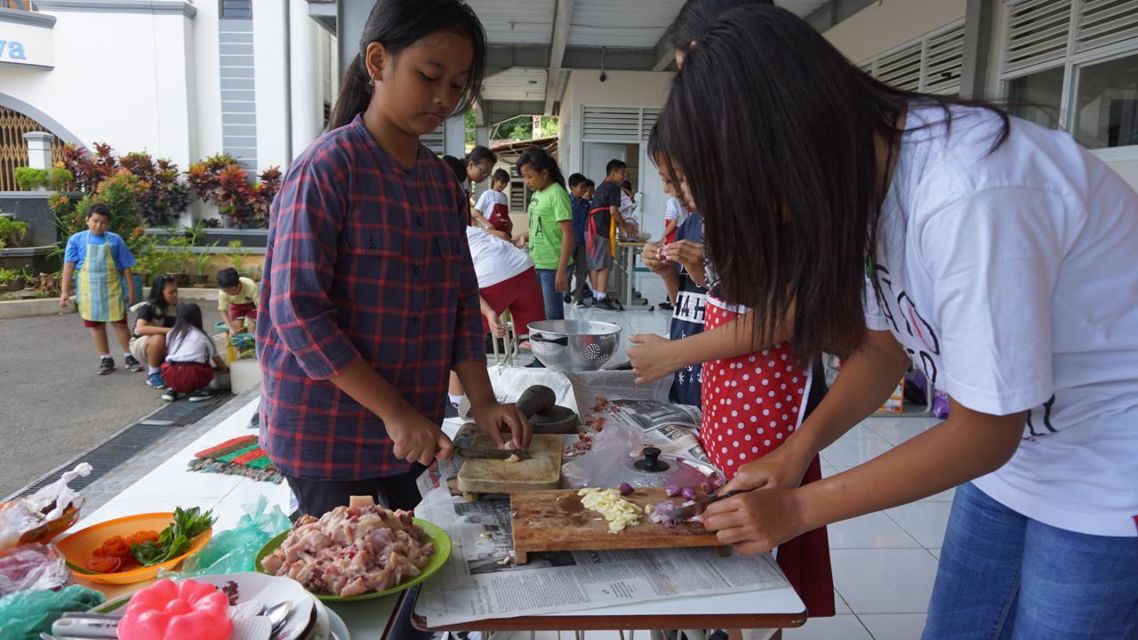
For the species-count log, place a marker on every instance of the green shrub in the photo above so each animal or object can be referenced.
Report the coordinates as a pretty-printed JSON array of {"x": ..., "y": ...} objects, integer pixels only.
[
  {"x": 29, "y": 179},
  {"x": 12, "y": 232}
]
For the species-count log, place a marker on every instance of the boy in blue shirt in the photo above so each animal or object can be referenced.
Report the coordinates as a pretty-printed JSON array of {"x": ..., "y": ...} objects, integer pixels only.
[
  {"x": 103, "y": 264},
  {"x": 578, "y": 185}
]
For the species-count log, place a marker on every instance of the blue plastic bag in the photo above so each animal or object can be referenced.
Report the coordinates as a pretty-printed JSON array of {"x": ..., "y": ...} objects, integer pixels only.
[
  {"x": 235, "y": 550},
  {"x": 27, "y": 614}
]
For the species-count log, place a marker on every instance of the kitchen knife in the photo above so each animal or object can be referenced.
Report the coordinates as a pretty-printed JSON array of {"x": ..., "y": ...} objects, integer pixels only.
[
  {"x": 490, "y": 454},
  {"x": 686, "y": 513}
]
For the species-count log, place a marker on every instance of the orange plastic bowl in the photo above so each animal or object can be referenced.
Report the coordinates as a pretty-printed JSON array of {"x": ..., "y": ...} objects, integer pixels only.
[{"x": 79, "y": 547}]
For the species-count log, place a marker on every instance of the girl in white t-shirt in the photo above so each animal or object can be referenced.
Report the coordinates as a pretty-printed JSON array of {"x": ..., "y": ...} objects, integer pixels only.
[
  {"x": 507, "y": 281},
  {"x": 492, "y": 212},
  {"x": 189, "y": 351},
  {"x": 897, "y": 230},
  {"x": 674, "y": 215}
]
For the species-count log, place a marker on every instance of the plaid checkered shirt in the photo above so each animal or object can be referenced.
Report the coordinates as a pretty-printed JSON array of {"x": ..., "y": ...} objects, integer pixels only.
[{"x": 369, "y": 260}]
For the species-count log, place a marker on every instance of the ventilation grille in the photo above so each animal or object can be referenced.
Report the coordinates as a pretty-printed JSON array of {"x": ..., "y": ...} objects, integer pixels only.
[
  {"x": 611, "y": 124},
  {"x": 944, "y": 62},
  {"x": 1103, "y": 22},
  {"x": 1037, "y": 32},
  {"x": 902, "y": 68},
  {"x": 648, "y": 121}
]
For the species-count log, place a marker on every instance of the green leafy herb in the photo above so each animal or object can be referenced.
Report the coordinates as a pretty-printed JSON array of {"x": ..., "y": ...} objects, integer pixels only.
[{"x": 175, "y": 539}]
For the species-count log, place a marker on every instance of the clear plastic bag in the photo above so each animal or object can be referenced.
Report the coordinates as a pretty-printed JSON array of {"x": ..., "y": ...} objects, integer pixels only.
[
  {"x": 32, "y": 567},
  {"x": 234, "y": 551},
  {"x": 28, "y": 614},
  {"x": 603, "y": 465},
  {"x": 42, "y": 515}
]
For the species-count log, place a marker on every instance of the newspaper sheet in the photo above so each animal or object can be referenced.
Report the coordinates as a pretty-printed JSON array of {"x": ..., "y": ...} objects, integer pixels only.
[{"x": 480, "y": 581}]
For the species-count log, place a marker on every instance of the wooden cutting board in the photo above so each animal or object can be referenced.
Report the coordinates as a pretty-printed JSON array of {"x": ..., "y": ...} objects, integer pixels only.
[
  {"x": 541, "y": 472},
  {"x": 557, "y": 521}
]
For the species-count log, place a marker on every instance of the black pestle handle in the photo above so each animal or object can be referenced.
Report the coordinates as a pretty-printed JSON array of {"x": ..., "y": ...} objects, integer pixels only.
[{"x": 537, "y": 399}]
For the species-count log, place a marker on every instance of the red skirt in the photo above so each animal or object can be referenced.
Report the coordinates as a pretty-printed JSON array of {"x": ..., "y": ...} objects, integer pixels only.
[{"x": 186, "y": 377}]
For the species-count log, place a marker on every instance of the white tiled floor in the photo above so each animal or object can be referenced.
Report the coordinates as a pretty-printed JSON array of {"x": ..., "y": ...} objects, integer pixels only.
[{"x": 884, "y": 563}]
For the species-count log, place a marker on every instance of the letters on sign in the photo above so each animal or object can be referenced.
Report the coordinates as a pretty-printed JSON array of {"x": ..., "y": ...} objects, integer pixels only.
[{"x": 12, "y": 50}]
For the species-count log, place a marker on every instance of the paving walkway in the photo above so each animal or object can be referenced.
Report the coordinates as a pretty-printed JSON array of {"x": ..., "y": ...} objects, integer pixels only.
[{"x": 52, "y": 405}]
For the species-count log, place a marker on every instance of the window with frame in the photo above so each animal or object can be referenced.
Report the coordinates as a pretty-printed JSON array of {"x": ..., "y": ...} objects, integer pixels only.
[
  {"x": 236, "y": 9},
  {"x": 1074, "y": 65}
]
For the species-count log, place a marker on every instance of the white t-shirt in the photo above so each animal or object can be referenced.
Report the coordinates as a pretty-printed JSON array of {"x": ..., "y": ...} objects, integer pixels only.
[
  {"x": 487, "y": 200},
  {"x": 675, "y": 210},
  {"x": 1012, "y": 281},
  {"x": 194, "y": 346},
  {"x": 495, "y": 259}
]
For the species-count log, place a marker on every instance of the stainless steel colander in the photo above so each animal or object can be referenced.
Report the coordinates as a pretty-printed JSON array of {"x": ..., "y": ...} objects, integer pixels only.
[{"x": 573, "y": 345}]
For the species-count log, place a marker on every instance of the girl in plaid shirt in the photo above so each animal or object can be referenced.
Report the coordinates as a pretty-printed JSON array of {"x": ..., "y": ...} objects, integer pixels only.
[{"x": 369, "y": 296}]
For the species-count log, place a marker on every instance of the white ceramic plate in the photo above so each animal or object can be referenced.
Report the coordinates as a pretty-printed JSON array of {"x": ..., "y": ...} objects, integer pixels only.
[{"x": 268, "y": 589}]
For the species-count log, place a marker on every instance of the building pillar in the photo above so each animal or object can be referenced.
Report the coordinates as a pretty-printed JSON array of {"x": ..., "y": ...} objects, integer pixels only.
[
  {"x": 979, "y": 18},
  {"x": 306, "y": 99},
  {"x": 351, "y": 15},
  {"x": 39, "y": 149},
  {"x": 455, "y": 140}
]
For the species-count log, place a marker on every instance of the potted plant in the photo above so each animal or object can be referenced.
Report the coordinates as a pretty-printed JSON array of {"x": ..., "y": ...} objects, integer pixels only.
[
  {"x": 56, "y": 178},
  {"x": 12, "y": 231},
  {"x": 201, "y": 263},
  {"x": 242, "y": 201}
]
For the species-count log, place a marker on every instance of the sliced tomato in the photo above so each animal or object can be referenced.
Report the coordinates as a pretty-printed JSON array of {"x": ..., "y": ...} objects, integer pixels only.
[{"x": 108, "y": 564}]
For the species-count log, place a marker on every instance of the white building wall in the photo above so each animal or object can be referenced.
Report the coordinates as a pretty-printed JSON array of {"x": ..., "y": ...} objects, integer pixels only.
[
  {"x": 207, "y": 85},
  {"x": 621, "y": 89},
  {"x": 884, "y": 25},
  {"x": 131, "y": 93}
]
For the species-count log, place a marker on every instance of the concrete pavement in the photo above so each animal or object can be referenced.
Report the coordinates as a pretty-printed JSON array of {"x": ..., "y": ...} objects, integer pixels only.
[{"x": 53, "y": 406}]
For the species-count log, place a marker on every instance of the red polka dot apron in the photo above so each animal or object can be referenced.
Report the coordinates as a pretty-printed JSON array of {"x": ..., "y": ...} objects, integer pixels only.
[{"x": 751, "y": 405}]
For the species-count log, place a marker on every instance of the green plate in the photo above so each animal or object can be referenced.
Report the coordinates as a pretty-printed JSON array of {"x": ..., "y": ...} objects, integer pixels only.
[{"x": 438, "y": 537}]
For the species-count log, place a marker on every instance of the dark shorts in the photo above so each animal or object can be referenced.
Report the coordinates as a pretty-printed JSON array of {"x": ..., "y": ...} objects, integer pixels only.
[
  {"x": 186, "y": 377},
  {"x": 599, "y": 254},
  {"x": 317, "y": 497}
]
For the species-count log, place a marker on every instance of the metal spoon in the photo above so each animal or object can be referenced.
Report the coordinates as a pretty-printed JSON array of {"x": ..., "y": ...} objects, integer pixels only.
[{"x": 278, "y": 615}]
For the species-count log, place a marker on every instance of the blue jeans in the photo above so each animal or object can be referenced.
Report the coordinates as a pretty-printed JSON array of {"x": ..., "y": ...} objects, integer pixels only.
[
  {"x": 1003, "y": 576},
  {"x": 554, "y": 302}
]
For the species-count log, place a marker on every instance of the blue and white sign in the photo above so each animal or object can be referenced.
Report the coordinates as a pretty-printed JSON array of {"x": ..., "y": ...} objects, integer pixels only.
[{"x": 25, "y": 44}]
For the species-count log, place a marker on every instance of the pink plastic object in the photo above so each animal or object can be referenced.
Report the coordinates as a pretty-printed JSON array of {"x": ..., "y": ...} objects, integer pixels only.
[{"x": 186, "y": 610}]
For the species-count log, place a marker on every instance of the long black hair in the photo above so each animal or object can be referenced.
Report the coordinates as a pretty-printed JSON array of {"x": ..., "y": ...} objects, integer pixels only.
[
  {"x": 786, "y": 173},
  {"x": 696, "y": 17},
  {"x": 156, "y": 299},
  {"x": 480, "y": 153},
  {"x": 539, "y": 160},
  {"x": 398, "y": 24},
  {"x": 189, "y": 320}
]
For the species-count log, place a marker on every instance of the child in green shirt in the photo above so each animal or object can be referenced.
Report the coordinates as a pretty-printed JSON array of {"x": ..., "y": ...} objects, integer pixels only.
[{"x": 550, "y": 234}]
